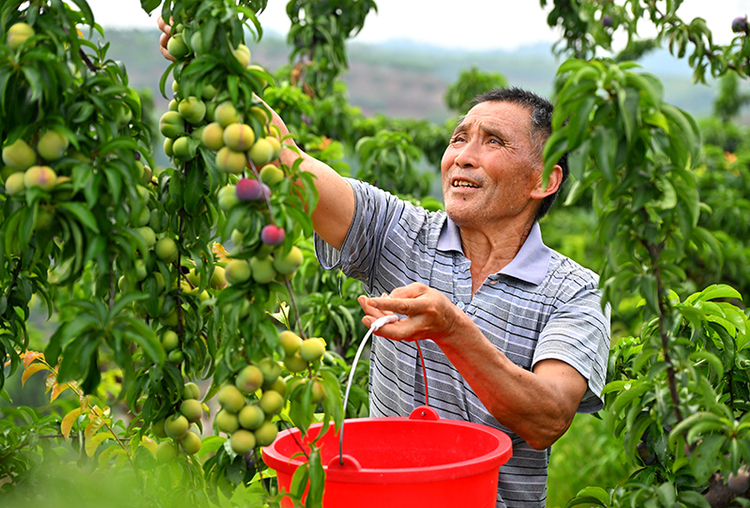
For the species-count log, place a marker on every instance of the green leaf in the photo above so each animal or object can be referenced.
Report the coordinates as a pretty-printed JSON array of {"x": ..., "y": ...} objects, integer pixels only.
[
  {"x": 83, "y": 214},
  {"x": 605, "y": 149}
]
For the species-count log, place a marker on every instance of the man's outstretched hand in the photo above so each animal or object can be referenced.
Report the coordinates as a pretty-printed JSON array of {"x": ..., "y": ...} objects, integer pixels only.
[{"x": 166, "y": 29}]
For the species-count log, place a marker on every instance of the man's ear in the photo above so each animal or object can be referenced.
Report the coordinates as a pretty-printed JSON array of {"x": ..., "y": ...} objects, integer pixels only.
[{"x": 554, "y": 182}]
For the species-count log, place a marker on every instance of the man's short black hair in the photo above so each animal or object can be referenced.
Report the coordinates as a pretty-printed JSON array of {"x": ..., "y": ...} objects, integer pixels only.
[{"x": 541, "y": 129}]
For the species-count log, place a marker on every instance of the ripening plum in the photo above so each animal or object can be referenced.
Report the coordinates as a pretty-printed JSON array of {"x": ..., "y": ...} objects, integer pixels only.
[
  {"x": 52, "y": 145},
  {"x": 19, "y": 155},
  {"x": 242, "y": 441},
  {"x": 18, "y": 33},
  {"x": 239, "y": 137},
  {"x": 40, "y": 176}
]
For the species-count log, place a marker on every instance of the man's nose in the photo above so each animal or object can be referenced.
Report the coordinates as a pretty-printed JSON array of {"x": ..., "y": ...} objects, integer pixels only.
[{"x": 468, "y": 156}]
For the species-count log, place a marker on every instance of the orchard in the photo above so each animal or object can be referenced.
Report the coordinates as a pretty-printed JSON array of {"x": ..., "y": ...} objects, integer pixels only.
[{"x": 191, "y": 321}]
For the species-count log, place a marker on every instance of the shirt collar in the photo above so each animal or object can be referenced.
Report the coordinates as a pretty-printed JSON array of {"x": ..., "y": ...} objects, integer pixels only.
[{"x": 530, "y": 264}]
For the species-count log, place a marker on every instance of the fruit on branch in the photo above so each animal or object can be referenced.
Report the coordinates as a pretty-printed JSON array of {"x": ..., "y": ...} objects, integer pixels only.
[
  {"x": 290, "y": 341},
  {"x": 262, "y": 270},
  {"x": 148, "y": 235},
  {"x": 226, "y": 114},
  {"x": 191, "y": 409},
  {"x": 157, "y": 428},
  {"x": 171, "y": 124},
  {"x": 52, "y": 145},
  {"x": 166, "y": 452},
  {"x": 169, "y": 340},
  {"x": 607, "y": 21},
  {"x": 231, "y": 399},
  {"x": 40, "y": 176},
  {"x": 242, "y": 54},
  {"x": 18, "y": 33},
  {"x": 192, "y": 109},
  {"x": 295, "y": 363},
  {"x": 251, "y": 417},
  {"x": 191, "y": 442},
  {"x": 166, "y": 250},
  {"x": 19, "y": 155},
  {"x": 242, "y": 441},
  {"x": 262, "y": 152},
  {"x": 237, "y": 271},
  {"x": 227, "y": 197},
  {"x": 218, "y": 278},
  {"x": 212, "y": 136},
  {"x": 14, "y": 184},
  {"x": 230, "y": 161},
  {"x": 271, "y": 402},
  {"x": 271, "y": 175},
  {"x": 176, "y": 426},
  {"x": 177, "y": 47},
  {"x": 312, "y": 349},
  {"x": 181, "y": 148},
  {"x": 239, "y": 137},
  {"x": 249, "y": 379},
  {"x": 287, "y": 264},
  {"x": 271, "y": 370},
  {"x": 191, "y": 391},
  {"x": 272, "y": 235},
  {"x": 249, "y": 189},
  {"x": 739, "y": 24},
  {"x": 196, "y": 44},
  {"x": 226, "y": 421},
  {"x": 266, "y": 433}
]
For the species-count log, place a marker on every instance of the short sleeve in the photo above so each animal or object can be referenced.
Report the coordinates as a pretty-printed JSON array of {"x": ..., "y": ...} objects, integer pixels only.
[{"x": 578, "y": 334}]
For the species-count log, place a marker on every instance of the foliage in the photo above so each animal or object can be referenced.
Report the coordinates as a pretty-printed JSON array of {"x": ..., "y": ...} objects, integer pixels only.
[
  {"x": 318, "y": 33},
  {"x": 677, "y": 392},
  {"x": 471, "y": 83}
]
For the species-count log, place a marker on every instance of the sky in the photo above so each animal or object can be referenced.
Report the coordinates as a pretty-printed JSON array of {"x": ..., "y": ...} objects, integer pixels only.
[{"x": 459, "y": 24}]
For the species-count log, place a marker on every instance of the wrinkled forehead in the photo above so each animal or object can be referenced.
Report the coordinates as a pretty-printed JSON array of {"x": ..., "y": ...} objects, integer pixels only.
[{"x": 506, "y": 117}]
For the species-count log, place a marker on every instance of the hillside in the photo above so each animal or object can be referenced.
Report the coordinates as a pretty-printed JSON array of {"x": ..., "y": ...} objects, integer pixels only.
[{"x": 407, "y": 80}]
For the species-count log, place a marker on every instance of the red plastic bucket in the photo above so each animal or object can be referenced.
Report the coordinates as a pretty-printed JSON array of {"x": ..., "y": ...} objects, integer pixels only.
[{"x": 396, "y": 462}]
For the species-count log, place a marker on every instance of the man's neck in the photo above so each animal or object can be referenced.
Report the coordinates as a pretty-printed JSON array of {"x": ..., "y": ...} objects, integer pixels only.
[{"x": 490, "y": 251}]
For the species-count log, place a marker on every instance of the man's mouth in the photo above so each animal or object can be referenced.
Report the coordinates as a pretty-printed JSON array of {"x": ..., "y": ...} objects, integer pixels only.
[{"x": 464, "y": 184}]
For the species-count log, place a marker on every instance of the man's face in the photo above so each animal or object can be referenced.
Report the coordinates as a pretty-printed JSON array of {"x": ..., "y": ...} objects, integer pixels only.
[{"x": 489, "y": 168}]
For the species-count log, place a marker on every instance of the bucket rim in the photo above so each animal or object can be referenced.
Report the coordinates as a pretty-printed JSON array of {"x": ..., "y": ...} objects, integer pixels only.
[{"x": 492, "y": 459}]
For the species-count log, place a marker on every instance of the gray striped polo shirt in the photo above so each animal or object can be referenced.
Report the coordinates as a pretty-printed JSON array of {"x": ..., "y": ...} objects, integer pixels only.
[{"x": 542, "y": 305}]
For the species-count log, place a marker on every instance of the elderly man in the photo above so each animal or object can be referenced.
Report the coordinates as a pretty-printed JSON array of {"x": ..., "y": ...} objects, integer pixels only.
[{"x": 513, "y": 333}]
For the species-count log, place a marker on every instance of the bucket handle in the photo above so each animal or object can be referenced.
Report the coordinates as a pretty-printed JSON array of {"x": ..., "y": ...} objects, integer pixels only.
[{"x": 378, "y": 323}]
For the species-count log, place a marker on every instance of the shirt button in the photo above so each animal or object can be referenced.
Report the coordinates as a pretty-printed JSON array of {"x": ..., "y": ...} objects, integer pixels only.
[{"x": 461, "y": 305}]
